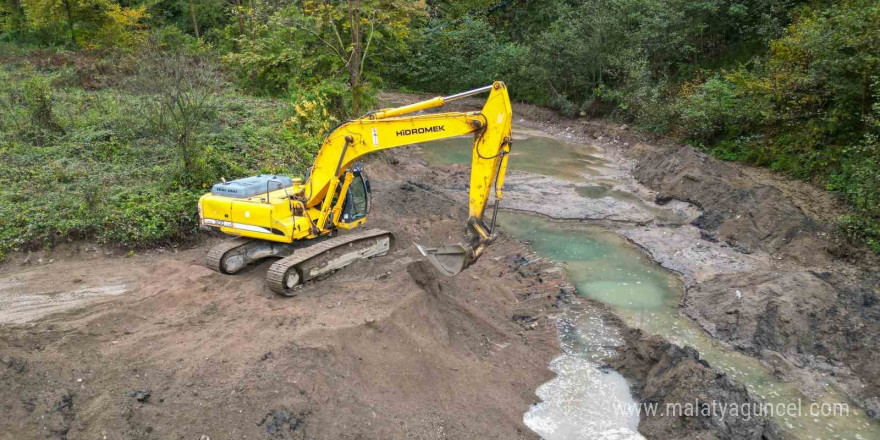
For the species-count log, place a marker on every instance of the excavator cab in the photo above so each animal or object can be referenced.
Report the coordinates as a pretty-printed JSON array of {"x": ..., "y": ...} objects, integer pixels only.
[{"x": 357, "y": 201}]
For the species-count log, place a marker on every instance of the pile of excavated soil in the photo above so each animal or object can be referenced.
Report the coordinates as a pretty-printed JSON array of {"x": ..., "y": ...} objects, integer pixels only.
[{"x": 386, "y": 348}]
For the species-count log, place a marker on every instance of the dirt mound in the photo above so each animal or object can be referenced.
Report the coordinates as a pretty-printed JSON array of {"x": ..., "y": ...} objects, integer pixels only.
[{"x": 667, "y": 375}]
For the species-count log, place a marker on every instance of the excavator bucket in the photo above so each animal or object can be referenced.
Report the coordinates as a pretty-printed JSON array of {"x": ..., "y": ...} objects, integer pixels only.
[{"x": 449, "y": 260}]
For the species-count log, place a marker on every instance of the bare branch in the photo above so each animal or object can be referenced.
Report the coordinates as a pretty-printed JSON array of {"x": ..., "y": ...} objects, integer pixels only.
[{"x": 367, "y": 47}]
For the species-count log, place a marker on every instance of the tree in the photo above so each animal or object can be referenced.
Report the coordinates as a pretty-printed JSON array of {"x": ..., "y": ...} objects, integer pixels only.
[
  {"x": 346, "y": 29},
  {"x": 12, "y": 16},
  {"x": 72, "y": 12}
]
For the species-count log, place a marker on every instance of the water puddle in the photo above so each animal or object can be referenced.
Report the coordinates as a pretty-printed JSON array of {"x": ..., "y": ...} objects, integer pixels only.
[
  {"x": 604, "y": 266},
  {"x": 592, "y": 193},
  {"x": 529, "y": 153}
]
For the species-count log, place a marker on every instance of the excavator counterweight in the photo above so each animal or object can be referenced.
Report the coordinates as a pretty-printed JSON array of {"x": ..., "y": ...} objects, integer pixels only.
[{"x": 293, "y": 219}]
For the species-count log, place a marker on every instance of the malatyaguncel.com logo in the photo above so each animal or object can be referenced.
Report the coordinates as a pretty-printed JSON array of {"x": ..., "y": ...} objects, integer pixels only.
[{"x": 743, "y": 410}]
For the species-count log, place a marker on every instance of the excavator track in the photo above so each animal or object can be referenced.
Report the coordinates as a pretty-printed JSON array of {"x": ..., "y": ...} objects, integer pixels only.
[
  {"x": 216, "y": 254},
  {"x": 326, "y": 257}
]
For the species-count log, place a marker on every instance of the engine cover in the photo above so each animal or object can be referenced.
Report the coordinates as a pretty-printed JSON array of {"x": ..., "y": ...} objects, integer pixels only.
[{"x": 251, "y": 186}]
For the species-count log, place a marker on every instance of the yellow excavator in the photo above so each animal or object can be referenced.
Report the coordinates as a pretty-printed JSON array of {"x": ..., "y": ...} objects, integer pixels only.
[{"x": 299, "y": 221}]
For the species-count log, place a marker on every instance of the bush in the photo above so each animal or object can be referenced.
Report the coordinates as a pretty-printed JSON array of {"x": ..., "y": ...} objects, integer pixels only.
[
  {"x": 149, "y": 217},
  {"x": 38, "y": 97},
  {"x": 115, "y": 174},
  {"x": 183, "y": 106}
]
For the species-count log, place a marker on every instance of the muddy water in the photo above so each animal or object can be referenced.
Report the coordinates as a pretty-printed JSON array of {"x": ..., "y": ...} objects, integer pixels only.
[
  {"x": 584, "y": 401},
  {"x": 530, "y": 152},
  {"x": 580, "y": 402}
]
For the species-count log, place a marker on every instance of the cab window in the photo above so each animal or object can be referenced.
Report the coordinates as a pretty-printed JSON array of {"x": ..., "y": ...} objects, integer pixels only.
[{"x": 357, "y": 203}]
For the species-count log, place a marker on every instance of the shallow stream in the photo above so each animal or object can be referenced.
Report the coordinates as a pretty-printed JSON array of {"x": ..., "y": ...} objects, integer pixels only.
[{"x": 585, "y": 401}]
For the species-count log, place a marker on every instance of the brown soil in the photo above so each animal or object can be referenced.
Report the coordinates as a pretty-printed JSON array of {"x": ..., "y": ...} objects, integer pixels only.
[{"x": 383, "y": 349}]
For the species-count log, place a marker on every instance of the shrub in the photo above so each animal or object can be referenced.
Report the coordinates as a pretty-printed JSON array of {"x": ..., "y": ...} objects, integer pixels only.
[
  {"x": 149, "y": 217},
  {"x": 184, "y": 104},
  {"x": 37, "y": 95}
]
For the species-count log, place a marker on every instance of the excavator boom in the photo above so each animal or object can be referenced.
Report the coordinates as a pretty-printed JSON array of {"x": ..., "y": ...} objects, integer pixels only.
[{"x": 390, "y": 128}]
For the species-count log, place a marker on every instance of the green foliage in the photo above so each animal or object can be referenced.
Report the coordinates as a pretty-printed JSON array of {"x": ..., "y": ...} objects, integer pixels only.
[
  {"x": 787, "y": 84},
  {"x": 148, "y": 217},
  {"x": 182, "y": 107},
  {"x": 110, "y": 176},
  {"x": 809, "y": 108},
  {"x": 38, "y": 98},
  {"x": 271, "y": 63},
  {"x": 858, "y": 179},
  {"x": 439, "y": 63}
]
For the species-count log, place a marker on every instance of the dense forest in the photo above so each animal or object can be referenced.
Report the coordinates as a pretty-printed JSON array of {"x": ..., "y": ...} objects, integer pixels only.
[{"x": 117, "y": 114}]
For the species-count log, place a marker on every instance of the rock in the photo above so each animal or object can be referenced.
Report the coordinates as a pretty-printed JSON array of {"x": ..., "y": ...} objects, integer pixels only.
[
  {"x": 278, "y": 421},
  {"x": 139, "y": 395},
  {"x": 781, "y": 366}
]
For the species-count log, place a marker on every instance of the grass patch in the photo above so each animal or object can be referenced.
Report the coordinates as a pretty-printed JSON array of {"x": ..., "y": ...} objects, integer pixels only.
[{"x": 93, "y": 162}]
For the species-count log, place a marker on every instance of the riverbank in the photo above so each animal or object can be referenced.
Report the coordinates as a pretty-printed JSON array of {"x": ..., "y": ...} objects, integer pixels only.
[{"x": 764, "y": 270}]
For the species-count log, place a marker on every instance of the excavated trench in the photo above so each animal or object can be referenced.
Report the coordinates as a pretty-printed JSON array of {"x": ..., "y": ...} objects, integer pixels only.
[{"x": 589, "y": 204}]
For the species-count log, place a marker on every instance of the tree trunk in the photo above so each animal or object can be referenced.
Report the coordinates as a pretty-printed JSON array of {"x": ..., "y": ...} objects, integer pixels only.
[
  {"x": 354, "y": 66},
  {"x": 70, "y": 21},
  {"x": 240, "y": 13},
  {"x": 192, "y": 12},
  {"x": 253, "y": 11},
  {"x": 17, "y": 12}
]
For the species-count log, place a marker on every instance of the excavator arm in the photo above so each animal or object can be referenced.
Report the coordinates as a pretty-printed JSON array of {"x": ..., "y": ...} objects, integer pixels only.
[{"x": 396, "y": 127}]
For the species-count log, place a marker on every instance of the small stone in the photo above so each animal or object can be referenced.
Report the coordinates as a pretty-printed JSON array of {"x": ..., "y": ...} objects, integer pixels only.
[{"x": 139, "y": 395}]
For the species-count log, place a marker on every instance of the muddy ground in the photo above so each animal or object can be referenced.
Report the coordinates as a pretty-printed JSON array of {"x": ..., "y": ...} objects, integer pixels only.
[
  {"x": 96, "y": 343},
  {"x": 159, "y": 347}
]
